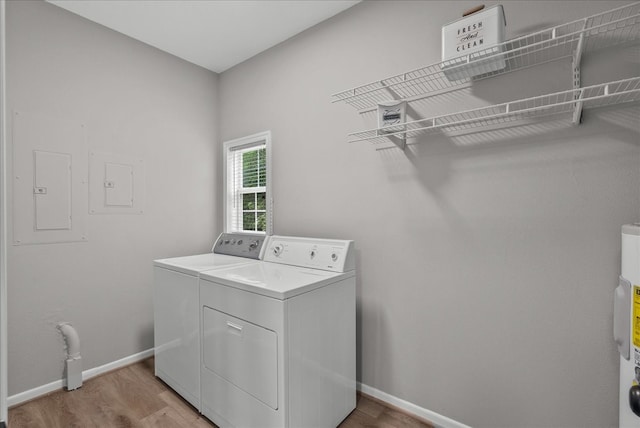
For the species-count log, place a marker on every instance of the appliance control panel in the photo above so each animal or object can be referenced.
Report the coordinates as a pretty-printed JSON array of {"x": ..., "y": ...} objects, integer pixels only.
[
  {"x": 239, "y": 245},
  {"x": 326, "y": 254}
]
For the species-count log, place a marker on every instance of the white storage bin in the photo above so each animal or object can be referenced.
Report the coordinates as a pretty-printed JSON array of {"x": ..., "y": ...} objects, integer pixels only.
[{"x": 469, "y": 44}]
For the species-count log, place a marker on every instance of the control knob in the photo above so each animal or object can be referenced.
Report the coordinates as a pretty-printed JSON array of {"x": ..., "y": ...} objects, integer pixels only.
[
  {"x": 253, "y": 245},
  {"x": 277, "y": 250}
]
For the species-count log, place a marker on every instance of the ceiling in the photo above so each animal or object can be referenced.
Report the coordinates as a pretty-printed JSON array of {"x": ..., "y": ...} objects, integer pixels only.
[{"x": 214, "y": 34}]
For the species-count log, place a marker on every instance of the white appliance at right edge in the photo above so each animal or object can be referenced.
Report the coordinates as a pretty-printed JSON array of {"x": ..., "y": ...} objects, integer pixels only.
[{"x": 626, "y": 327}]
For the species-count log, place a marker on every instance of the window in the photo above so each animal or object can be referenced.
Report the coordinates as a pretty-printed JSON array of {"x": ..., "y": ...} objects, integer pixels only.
[{"x": 247, "y": 184}]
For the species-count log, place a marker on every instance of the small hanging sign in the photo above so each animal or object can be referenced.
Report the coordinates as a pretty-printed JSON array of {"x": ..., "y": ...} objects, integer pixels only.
[{"x": 391, "y": 113}]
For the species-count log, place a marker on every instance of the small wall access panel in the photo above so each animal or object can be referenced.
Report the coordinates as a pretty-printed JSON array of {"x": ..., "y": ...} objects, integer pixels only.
[
  {"x": 116, "y": 184},
  {"x": 49, "y": 180}
]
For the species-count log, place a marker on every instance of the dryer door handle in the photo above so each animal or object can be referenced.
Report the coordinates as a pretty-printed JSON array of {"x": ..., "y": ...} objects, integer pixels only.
[{"x": 234, "y": 326}]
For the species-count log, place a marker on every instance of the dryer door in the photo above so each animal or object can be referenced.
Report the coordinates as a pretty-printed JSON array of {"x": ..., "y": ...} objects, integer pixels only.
[{"x": 242, "y": 353}]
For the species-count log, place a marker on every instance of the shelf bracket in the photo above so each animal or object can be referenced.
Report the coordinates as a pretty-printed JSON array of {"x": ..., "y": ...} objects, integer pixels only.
[
  {"x": 391, "y": 92},
  {"x": 577, "y": 110},
  {"x": 577, "y": 81},
  {"x": 401, "y": 142}
]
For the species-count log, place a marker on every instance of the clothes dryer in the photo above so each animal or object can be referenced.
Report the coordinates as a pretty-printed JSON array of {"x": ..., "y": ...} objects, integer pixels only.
[
  {"x": 176, "y": 309},
  {"x": 279, "y": 337}
]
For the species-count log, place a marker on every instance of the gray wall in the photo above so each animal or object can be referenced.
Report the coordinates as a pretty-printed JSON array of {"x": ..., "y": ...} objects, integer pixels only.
[
  {"x": 134, "y": 100},
  {"x": 486, "y": 261}
]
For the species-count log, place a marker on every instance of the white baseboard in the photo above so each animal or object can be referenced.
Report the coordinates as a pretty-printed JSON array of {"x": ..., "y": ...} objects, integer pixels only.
[
  {"x": 435, "y": 418},
  {"x": 86, "y": 375}
]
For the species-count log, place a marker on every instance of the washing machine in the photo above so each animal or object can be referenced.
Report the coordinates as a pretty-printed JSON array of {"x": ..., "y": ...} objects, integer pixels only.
[
  {"x": 279, "y": 337},
  {"x": 176, "y": 307}
]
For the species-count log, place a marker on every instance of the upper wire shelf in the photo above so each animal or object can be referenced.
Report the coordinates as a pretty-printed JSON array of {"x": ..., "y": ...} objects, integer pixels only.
[
  {"x": 622, "y": 91},
  {"x": 613, "y": 27}
]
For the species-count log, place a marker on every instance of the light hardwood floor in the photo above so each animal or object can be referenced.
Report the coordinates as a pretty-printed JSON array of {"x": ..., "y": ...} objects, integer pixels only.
[{"x": 134, "y": 397}]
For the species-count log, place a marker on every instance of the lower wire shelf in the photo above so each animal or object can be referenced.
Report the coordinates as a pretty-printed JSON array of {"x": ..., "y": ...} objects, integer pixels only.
[{"x": 565, "y": 102}]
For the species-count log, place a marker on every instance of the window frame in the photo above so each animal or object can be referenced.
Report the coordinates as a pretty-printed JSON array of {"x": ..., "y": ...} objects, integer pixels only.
[{"x": 228, "y": 186}]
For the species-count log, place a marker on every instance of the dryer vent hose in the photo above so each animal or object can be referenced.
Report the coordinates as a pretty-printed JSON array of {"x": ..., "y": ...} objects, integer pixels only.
[
  {"x": 73, "y": 365},
  {"x": 72, "y": 340}
]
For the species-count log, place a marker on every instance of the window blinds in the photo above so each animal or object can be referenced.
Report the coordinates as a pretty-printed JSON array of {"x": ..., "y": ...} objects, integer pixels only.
[{"x": 247, "y": 182}]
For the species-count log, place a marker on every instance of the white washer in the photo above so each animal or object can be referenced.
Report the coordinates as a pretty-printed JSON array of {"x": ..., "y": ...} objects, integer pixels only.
[
  {"x": 176, "y": 308},
  {"x": 279, "y": 337}
]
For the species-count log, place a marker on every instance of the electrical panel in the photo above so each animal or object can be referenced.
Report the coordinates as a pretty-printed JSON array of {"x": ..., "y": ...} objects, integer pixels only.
[
  {"x": 116, "y": 184},
  {"x": 49, "y": 180}
]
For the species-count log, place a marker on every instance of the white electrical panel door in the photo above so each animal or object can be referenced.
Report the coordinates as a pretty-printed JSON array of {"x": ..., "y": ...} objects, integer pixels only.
[
  {"x": 116, "y": 184},
  {"x": 49, "y": 180},
  {"x": 52, "y": 190}
]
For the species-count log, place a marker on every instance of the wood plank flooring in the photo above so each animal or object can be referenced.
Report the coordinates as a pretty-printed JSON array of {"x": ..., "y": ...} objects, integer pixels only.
[{"x": 134, "y": 397}]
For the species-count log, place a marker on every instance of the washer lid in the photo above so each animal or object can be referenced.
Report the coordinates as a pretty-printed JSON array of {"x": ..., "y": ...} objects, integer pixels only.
[
  {"x": 192, "y": 265},
  {"x": 273, "y": 279}
]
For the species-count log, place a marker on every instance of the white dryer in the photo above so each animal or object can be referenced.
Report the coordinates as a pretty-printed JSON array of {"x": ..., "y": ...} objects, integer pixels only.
[
  {"x": 279, "y": 337},
  {"x": 176, "y": 309}
]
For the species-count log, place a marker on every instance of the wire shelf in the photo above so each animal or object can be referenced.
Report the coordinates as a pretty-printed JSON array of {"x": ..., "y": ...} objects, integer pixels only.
[
  {"x": 566, "y": 102},
  {"x": 617, "y": 26}
]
